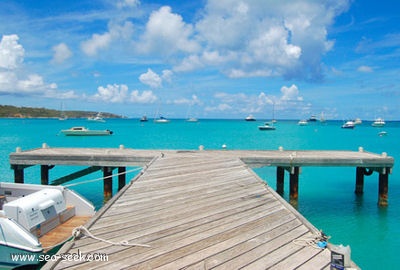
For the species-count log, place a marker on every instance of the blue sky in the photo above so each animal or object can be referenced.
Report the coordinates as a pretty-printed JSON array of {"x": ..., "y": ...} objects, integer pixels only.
[{"x": 209, "y": 59}]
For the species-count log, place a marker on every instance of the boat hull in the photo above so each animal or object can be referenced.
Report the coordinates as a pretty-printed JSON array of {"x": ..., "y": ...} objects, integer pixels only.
[
  {"x": 13, "y": 257},
  {"x": 87, "y": 133}
]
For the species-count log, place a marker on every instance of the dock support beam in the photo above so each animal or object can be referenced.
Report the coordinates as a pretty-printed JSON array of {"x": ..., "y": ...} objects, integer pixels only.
[
  {"x": 44, "y": 173},
  {"x": 383, "y": 187},
  {"x": 280, "y": 180},
  {"x": 294, "y": 185},
  {"x": 294, "y": 182},
  {"x": 359, "y": 181},
  {"x": 107, "y": 183},
  {"x": 121, "y": 177},
  {"x": 18, "y": 174}
]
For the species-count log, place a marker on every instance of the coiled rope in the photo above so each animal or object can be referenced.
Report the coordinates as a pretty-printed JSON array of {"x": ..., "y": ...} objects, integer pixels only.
[
  {"x": 82, "y": 231},
  {"x": 317, "y": 240}
]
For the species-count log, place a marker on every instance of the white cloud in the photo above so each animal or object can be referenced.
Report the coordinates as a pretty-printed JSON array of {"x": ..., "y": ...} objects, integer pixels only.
[
  {"x": 264, "y": 37},
  {"x": 116, "y": 93},
  {"x": 151, "y": 79},
  {"x": 61, "y": 53},
  {"x": 145, "y": 98},
  {"x": 15, "y": 81},
  {"x": 166, "y": 33},
  {"x": 98, "y": 42},
  {"x": 290, "y": 93},
  {"x": 112, "y": 93},
  {"x": 167, "y": 75},
  {"x": 365, "y": 69},
  {"x": 11, "y": 52}
]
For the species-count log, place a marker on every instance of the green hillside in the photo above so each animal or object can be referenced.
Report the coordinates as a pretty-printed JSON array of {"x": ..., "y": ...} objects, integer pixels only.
[{"x": 7, "y": 111}]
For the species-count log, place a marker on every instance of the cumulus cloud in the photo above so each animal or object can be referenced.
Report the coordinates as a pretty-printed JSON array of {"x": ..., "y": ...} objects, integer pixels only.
[
  {"x": 115, "y": 93},
  {"x": 145, "y": 97},
  {"x": 265, "y": 37},
  {"x": 98, "y": 42},
  {"x": 154, "y": 80},
  {"x": 166, "y": 33},
  {"x": 15, "y": 81},
  {"x": 290, "y": 93},
  {"x": 11, "y": 52},
  {"x": 61, "y": 53},
  {"x": 244, "y": 103}
]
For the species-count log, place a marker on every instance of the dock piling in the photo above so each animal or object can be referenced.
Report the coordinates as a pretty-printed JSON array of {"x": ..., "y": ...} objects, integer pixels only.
[
  {"x": 294, "y": 184},
  {"x": 383, "y": 187},
  {"x": 280, "y": 180},
  {"x": 18, "y": 174},
  {"x": 107, "y": 183},
  {"x": 360, "y": 172},
  {"x": 121, "y": 177}
]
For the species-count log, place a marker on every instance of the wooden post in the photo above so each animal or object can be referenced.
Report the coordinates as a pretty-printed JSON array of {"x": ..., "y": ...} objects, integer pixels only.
[
  {"x": 18, "y": 174},
  {"x": 280, "y": 180},
  {"x": 359, "y": 181},
  {"x": 44, "y": 174},
  {"x": 294, "y": 184},
  {"x": 107, "y": 183},
  {"x": 383, "y": 187},
  {"x": 121, "y": 177}
]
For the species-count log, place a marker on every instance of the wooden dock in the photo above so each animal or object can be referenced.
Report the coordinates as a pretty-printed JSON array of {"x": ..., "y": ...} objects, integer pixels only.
[{"x": 200, "y": 209}]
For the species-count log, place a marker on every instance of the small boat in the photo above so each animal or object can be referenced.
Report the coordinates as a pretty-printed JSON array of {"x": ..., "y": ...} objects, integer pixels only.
[
  {"x": 349, "y": 125},
  {"x": 250, "y": 118},
  {"x": 36, "y": 220},
  {"x": 83, "y": 131},
  {"x": 144, "y": 119},
  {"x": 97, "y": 118},
  {"x": 267, "y": 126},
  {"x": 313, "y": 118},
  {"x": 379, "y": 122},
  {"x": 357, "y": 121},
  {"x": 192, "y": 120},
  {"x": 303, "y": 123},
  {"x": 382, "y": 133},
  {"x": 161, "y": 120}
]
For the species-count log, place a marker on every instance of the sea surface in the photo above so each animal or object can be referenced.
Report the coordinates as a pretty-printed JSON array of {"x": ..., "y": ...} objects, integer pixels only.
[{"x": 326, "y": 194}]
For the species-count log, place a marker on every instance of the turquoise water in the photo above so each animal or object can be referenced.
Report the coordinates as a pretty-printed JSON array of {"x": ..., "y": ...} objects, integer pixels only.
[{"x": 326, "y": 195}]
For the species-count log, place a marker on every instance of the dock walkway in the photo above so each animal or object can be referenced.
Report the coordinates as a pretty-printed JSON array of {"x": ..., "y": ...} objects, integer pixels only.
[
  {"x": 199, "y": 209},
  {"x": 199, "y": 213}
]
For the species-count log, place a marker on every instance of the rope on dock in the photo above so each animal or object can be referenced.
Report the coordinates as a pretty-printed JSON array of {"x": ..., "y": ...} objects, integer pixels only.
[
  {"x": 82, "y": 231},
  {"x": 317, "y": 240},
  {"x": 101, "y": 178}
]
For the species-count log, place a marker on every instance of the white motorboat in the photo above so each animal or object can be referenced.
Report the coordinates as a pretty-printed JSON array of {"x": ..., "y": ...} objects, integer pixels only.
[
  {"x": 349, "y": 125},
  {"x": 250, "y": 118},
  {"x": 357, "y": 121},
  {"x": 97, "y": 118},
  {"x": 83, "y": 131},
  {"x": 303, "y": 123},
  {"x": 161, "y": 120},
  {"x": 379, "y": 122},
  {"x": 313, "y": 118},
  {"x": 192, "y": 119},
  {"x": 267, "y": 126},
  {"x": 36, "y": 219}
]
